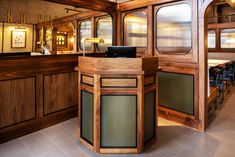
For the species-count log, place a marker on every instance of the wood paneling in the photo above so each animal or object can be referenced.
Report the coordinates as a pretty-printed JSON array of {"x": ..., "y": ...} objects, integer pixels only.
[
  {"x": 17, "y": 101},
  {"x": 119, "y": 82},
  {"x": 87, "y": 80},
  {"x": 149, "y": 80},
  {"x": 36, "y": 124},
  {"x": 60, "y": 91},
  {"x": 178, "y": 117},
  {"x": 117, "y": 65},
  {"x": 218, "y": 27},
  {"x": 34, "y": 85},
  {"x": 99, "y": 5}
]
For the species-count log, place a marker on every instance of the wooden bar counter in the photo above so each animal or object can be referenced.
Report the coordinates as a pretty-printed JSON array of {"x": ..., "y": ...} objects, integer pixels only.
[
  {"x": 117, "y": 103},
  {"x": 36, "y": 92}
]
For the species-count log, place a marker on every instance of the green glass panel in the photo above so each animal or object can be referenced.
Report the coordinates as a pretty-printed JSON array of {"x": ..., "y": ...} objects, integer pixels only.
[
  {"x": 118, "y": 121},
  {"x": 149, "y": 116},
  {"x": 87, "y": 116},
  {"x": 176, "y": 91}
]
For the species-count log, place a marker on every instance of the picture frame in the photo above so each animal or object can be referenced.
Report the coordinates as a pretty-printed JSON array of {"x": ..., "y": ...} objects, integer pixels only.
[{"x": 18, "y": 39}]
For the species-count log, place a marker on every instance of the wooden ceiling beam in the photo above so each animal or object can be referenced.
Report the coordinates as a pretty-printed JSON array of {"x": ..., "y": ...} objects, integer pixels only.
[{"x": 97, "y": 5}]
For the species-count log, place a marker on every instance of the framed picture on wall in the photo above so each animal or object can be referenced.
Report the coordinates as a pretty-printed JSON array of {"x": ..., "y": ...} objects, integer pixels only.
[{"x": 18, "y": 39}]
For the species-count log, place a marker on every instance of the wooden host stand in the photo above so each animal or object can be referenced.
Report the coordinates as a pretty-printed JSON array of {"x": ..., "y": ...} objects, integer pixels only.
[{"x": 129, "y": 123}]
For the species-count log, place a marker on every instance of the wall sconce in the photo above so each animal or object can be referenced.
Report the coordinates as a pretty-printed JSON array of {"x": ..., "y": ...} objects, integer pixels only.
[{"x": 91, "y": 40}]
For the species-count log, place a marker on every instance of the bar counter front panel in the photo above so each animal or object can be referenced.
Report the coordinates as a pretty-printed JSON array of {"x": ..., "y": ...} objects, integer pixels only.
[{"x": 36, "y": 92}]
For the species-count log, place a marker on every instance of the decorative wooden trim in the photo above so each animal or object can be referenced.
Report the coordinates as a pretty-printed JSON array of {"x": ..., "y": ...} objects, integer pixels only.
[
  {"x": 155, "y": 117},
  {"x": 116, "y": 82},
  {"x": 191, "y": 72},
  {"x": 188, "y": 121},
  {"x": 149, "y": 80},
  {"x": 140, "y": 50},
  {"x": 192, "y": 56},
  {"x": 98, "y": 5},
  {"x": 119, "y": 151},
  {"x": 96, "y": 30},
  {"x": 33, "y": 125},
  {"x": 43, "y": 89},
  {"x": 203, "y": 69},
  {"x": 87, "y": 80}
]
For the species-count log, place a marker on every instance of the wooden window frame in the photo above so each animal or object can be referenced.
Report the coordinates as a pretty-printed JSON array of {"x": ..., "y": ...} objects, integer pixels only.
[
  {"x": 192, "y": 55},
  {"x": 96, "y": 29},
  {"x": 123, "y": 15}
]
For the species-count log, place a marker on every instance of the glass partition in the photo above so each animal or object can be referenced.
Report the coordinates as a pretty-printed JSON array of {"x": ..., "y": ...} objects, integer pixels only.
[
  {"x": 85, "y": 31},
  {"x": 211, "y": 39},
  {"x": 227, "y": 38},
  {"x": 135, "y": 29},
  {"x": 105, "y": 31},
  {"x": 174, "y": 32}
]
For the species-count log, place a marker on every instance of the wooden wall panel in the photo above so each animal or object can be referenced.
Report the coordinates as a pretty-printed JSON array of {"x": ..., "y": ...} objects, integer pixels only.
[
  {"x": 119, "y": 82},
  {"x": 60, "y": 91},
  {"x": 17, "y": 101}
]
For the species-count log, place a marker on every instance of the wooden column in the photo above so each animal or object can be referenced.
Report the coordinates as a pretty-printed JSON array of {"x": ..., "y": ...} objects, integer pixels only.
[{"x": 54, "y": 41}]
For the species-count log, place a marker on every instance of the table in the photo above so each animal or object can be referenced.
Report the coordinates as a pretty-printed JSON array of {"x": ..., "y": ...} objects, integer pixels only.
[{"x": 217, "y": 62}]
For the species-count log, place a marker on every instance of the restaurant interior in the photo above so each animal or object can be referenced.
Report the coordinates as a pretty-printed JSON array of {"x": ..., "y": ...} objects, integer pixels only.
[{"x": 117, "y": 78}]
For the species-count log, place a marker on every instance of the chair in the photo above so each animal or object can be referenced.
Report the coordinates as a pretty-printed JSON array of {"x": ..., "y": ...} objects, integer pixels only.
[{"x": 215, "y": 75}]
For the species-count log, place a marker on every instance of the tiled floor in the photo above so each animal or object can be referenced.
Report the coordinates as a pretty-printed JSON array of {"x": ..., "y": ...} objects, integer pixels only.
[{"x": 174, "y": 140}]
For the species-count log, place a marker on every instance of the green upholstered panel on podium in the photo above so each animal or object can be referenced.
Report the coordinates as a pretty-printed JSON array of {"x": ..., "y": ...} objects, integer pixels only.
[
  {"x": 87, "y": 116},
  {"x": 118, "y": 121},
  {"x": 176, "y": 91},
  {"x": 149, "y": 116}
]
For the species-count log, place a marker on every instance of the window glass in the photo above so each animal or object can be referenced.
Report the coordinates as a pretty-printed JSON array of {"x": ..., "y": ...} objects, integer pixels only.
[
  {"x": 174, "y": 32},
  {"x": 105, "y": 31},
  {"x": 85, "y": 31},
  {"x": 211, "y": 39},
  {"x": 135, "y": 29},
  {"x": 227, "y": 38}
]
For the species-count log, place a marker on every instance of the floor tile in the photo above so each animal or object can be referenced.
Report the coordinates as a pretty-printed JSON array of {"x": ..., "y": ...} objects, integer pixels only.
[
  {"x": 14, "y": 149},
  {"x": 37, "y": 143}
]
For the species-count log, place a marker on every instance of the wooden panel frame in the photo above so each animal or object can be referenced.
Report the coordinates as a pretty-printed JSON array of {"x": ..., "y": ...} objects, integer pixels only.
[
  {"x": 126, "y": 84},
  {"x": 186, "y": 119},
  {"x": 98, "y": 5},
  {"x": 44, "y": 100},
  {"x": 87, "y": 80},
  {"x": 140, "y": 51},
  {"x": 96, "y": 30},
  {"x": 21, "y": 118},
  {"x": 36, "y": 67},
  {"x": 217, "y": 27},
  {"x": 150, "y": 80},
  {"x": 79, "y": 48},
  {"x": 192, "y": 56}
]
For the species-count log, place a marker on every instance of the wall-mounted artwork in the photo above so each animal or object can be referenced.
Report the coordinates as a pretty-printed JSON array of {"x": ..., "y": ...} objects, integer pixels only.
[{"x": 18, "y": 39}]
